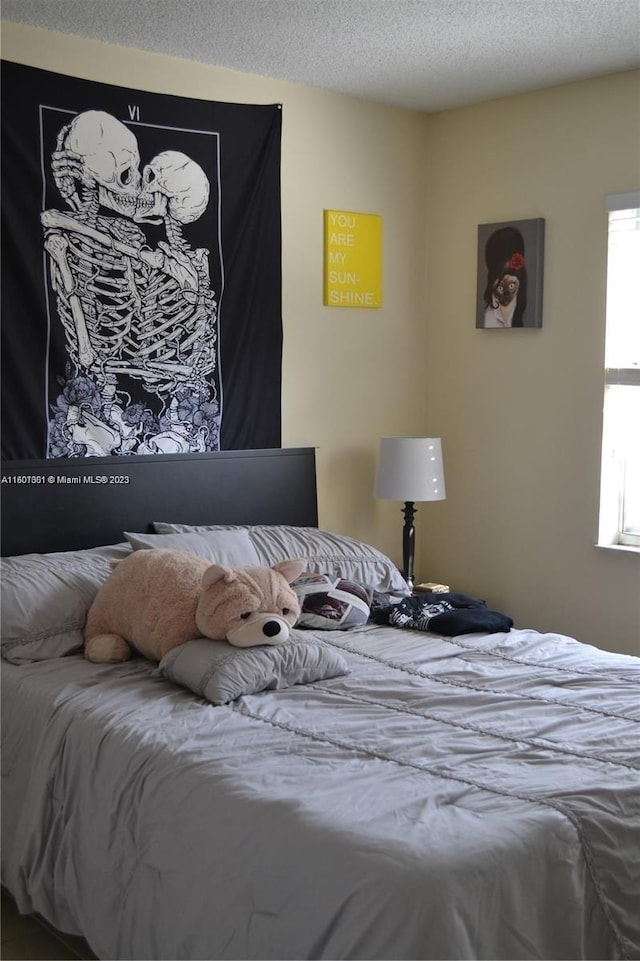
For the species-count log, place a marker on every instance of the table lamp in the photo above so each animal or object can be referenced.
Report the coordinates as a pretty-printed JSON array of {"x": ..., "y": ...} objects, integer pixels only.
[{"x": 410, "y": 469}]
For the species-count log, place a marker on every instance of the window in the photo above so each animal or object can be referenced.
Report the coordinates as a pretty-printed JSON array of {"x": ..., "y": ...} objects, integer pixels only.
[{"x": 620, "y": 475}]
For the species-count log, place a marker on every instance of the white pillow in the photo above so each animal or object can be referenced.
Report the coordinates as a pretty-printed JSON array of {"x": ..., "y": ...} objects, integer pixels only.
[
  {"x": 45, "y": 599},
  {"x": 325, "y": 553},
  {"x": 233, "y": 548}
]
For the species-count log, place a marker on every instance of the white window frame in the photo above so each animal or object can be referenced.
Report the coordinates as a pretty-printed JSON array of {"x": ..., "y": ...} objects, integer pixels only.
[{"x": 615, "y": 439}]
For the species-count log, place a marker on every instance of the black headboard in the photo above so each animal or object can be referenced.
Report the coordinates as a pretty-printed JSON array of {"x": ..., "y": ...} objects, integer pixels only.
[{"x": 69, "y": 504}]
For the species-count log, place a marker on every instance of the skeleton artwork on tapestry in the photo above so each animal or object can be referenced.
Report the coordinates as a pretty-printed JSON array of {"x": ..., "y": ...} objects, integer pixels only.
[{"x": 132, "y": 313}]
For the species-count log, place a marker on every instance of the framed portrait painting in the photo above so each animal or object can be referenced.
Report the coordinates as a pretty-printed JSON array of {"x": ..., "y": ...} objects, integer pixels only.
[{"x": 510, "y": 269}]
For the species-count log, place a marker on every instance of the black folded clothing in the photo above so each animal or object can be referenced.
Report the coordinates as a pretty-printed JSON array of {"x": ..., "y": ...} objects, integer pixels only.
[{"x": 449, "y": 614}]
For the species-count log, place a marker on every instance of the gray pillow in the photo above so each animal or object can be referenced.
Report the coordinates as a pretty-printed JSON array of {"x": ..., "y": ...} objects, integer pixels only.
[
  {"x": 233, "y": 548},
  {"x": 45, "y": 599},
  {"x": 325, "y": 553},
  {"x": 220, "y": 672}
]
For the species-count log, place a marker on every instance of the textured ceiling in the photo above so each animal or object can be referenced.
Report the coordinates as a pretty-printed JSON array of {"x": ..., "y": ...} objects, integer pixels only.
[{"x": 424, "y": 54}]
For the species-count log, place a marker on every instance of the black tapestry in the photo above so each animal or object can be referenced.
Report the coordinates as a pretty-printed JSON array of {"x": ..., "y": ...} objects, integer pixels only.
[{"x": 141, "y": 270}]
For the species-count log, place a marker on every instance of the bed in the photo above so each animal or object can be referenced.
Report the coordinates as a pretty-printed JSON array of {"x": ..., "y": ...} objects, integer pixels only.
[{"x": 468, "y": 796}]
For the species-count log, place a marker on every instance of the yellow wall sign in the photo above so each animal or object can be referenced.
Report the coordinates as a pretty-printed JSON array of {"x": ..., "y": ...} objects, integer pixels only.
[{"x": 352, "y": 259}]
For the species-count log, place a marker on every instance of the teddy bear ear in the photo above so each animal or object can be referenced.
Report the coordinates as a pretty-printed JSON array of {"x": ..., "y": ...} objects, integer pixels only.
[
  {"x": 290, "y": 569},
  {"x": 215, "y": 573}
]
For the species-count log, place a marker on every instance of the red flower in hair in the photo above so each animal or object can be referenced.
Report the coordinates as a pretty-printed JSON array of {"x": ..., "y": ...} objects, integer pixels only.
[{"x": 516, "y": 262}]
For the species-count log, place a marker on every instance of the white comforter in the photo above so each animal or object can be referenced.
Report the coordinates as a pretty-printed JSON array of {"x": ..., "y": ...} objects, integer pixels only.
[{"x": 477, "y": 797}]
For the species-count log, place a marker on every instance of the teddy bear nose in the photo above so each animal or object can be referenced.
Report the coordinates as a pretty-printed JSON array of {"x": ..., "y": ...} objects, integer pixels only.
[{"x": 271, "y": 628}]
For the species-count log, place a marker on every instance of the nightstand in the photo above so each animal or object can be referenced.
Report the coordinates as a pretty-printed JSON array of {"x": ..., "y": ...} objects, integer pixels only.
[{"x": 431, "y": 586}]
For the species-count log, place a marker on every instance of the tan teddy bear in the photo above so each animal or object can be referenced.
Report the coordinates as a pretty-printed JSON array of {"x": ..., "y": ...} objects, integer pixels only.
[{"x": 155, "y": 600}]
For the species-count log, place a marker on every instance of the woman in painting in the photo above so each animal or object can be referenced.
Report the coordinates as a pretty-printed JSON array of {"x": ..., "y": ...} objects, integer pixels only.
[{"x": 505, "y": 296}]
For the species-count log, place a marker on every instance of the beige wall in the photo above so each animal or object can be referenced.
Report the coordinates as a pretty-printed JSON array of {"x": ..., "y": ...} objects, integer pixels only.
[
  {"x": 519, "y": 411},
  {"x": 349, "y": 375}
]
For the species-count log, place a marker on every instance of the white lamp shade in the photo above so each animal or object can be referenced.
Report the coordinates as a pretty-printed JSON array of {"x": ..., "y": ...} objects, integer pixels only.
[{"x": 410, "y": 469}]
